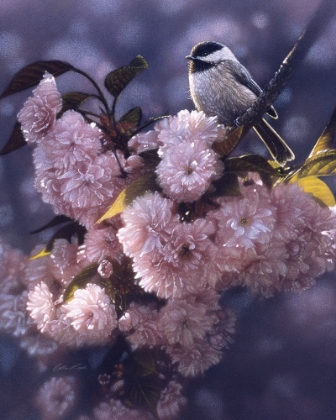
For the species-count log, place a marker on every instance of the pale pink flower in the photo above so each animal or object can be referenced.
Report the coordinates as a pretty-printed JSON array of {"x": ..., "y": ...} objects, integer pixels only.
[
  {"x": 140, "y": 325},
  {"x": 39, "y": 345},
  {"x": 194, "y": 361},
  {"x": 187, "y": 126},
  {"x": 12, "y": 266},
  {"x": 91, "y": 313},
  {"x": 171, "y": 401},
  {"x": 187, "y": 170},
  {"x": 184, "y": 323},
  {"x": 245, "y": 221},
  {"x": 71, "y": 140},
  {"x": 13, "y": 317},
  {"x": 224, "y": 329},
  {"x": 38, "y": 114},
  {"x": 143, "y": 142},
  {"x": 40, "y": 305},
  {"x": 105, "y": 269},
  {"x": 101, "y": 242},
  {"x": 57, "y": 397},
  {"x": 116, "y": 410},
  {"x": 148, "y": 223},
  {"x": 177, "y": 269}
]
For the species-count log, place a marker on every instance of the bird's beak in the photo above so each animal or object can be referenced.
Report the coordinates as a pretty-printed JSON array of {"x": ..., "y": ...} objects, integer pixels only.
[{"x": 190, "y": 57}]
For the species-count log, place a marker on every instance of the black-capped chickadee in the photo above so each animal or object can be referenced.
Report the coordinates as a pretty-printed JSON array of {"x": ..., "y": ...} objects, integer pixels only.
[{"x": 221, "y": 86}]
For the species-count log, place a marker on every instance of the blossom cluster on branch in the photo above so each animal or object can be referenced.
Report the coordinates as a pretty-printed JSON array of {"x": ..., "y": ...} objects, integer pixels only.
[{"x": 149, "y": 279}]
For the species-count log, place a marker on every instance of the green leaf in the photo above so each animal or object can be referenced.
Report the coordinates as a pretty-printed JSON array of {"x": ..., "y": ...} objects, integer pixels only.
[
  {"x": 325, "y": 140},
  {"x": 133, "y": 116},
  {"x": 318, "y": 189},
  {"x": 32, "y": 74},
  {"x": 118, "y": 79},
  {"x": 321, "y": 164},
  {"x": 253, "y": 163},
  {"x": 80, "y": 281},
  {"x": 16, "y": 140},
  {"x": 143, "y": 385},
  {"x": 136, "y": 189},
  {"x": 73, "y": 100}
]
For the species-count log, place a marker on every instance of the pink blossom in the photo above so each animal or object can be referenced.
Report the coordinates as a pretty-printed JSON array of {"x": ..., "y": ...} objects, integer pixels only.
[
  {"x": 194, "y": 361},
  {"x": 91, "y": 312},
  {"x": 140, "y": 324},
  {"x": 171, "y": 401},
  {"x": 13, "y": 317},
  {"x": 105, "y": 269},
  {"x": 245, "y": 221},
  {"x": 177, "y": 268},
  {"x": 143, "y": 142},
  {"x": 71, "y": 140},
  {"x": 187, "y": 126},
  {"x": 184, "y": 323},
  {"x": 187, "y": 169},
  {"x": 115, "y": 410},
  {"x": 12, "y": 266},
  {"x": 40, "y": 305},
  {"x": 101, "y": 242},
  {"x": 148, "y": 223},
  {"x": 38, "y": 114},
  {"x": 57, "y": 397},
  {"x": 71, "y": 173}
]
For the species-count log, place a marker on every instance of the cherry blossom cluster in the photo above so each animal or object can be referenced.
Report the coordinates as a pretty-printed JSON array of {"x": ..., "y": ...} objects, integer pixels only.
[{"x": 152, "y": 276}]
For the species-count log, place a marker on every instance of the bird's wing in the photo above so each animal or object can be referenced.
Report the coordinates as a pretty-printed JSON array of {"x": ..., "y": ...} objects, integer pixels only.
[{"x": 244, "y": 77}]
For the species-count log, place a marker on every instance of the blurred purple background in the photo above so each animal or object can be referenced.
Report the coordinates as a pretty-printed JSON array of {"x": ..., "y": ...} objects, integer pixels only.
[{"x": 282, "y": 364}]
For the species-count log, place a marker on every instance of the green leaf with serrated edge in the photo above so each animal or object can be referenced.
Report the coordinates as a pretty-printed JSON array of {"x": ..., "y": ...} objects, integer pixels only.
[
  {"x": 73, "y": 100},
  {"x": 136, "y": 189},
  {"x": 118, "y": 79},
  {"x": 143, "y": 385},
  {"x": 133, "y": 116},
  {"x": 253, "y": 163},
  {"x": 57, "y": 220},
  {"x": 16, "y": 140},
  {"x": 80, "y": 281},
  {"x": 321, "y": 164},
  {"x": 32, "y": 74},
  {"x": 145, "y": 363},
  {"x": 325, "y": 140},
  {"x": 318, "y": 189}
]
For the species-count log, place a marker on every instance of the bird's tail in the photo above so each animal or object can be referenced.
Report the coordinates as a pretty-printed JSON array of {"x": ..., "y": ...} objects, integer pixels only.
[{"x": 277, "y": 147}]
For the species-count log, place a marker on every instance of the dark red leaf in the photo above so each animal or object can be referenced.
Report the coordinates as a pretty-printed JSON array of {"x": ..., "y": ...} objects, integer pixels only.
[
  {"x": 118, "y": 79},
  {"x": 73, "y": 100},
  {"x": 31, "y": 75},
  {"x": 133, "y": 116},
  {"x": 16, "y": 140}
]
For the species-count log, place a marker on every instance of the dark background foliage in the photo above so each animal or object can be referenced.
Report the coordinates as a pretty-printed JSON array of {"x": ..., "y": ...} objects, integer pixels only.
[{"x": 282, "y": 364}]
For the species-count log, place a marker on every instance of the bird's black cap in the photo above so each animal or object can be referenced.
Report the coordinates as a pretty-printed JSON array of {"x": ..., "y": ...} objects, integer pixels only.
[{"x": 205, "y": 48}]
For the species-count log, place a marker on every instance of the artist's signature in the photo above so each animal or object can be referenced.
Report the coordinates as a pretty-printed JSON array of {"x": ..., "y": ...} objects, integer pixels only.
[{"x": 77, "y": 367}]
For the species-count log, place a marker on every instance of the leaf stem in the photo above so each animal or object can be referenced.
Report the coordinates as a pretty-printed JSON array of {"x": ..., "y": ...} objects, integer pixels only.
[{"x": 100, "y": 93}]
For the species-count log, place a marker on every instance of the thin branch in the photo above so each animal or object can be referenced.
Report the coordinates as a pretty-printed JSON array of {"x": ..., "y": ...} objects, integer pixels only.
[{"x": 323, "y": 15}]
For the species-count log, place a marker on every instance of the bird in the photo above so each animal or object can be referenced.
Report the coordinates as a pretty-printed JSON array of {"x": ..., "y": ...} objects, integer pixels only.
[{"x": 221, "y": 86}]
